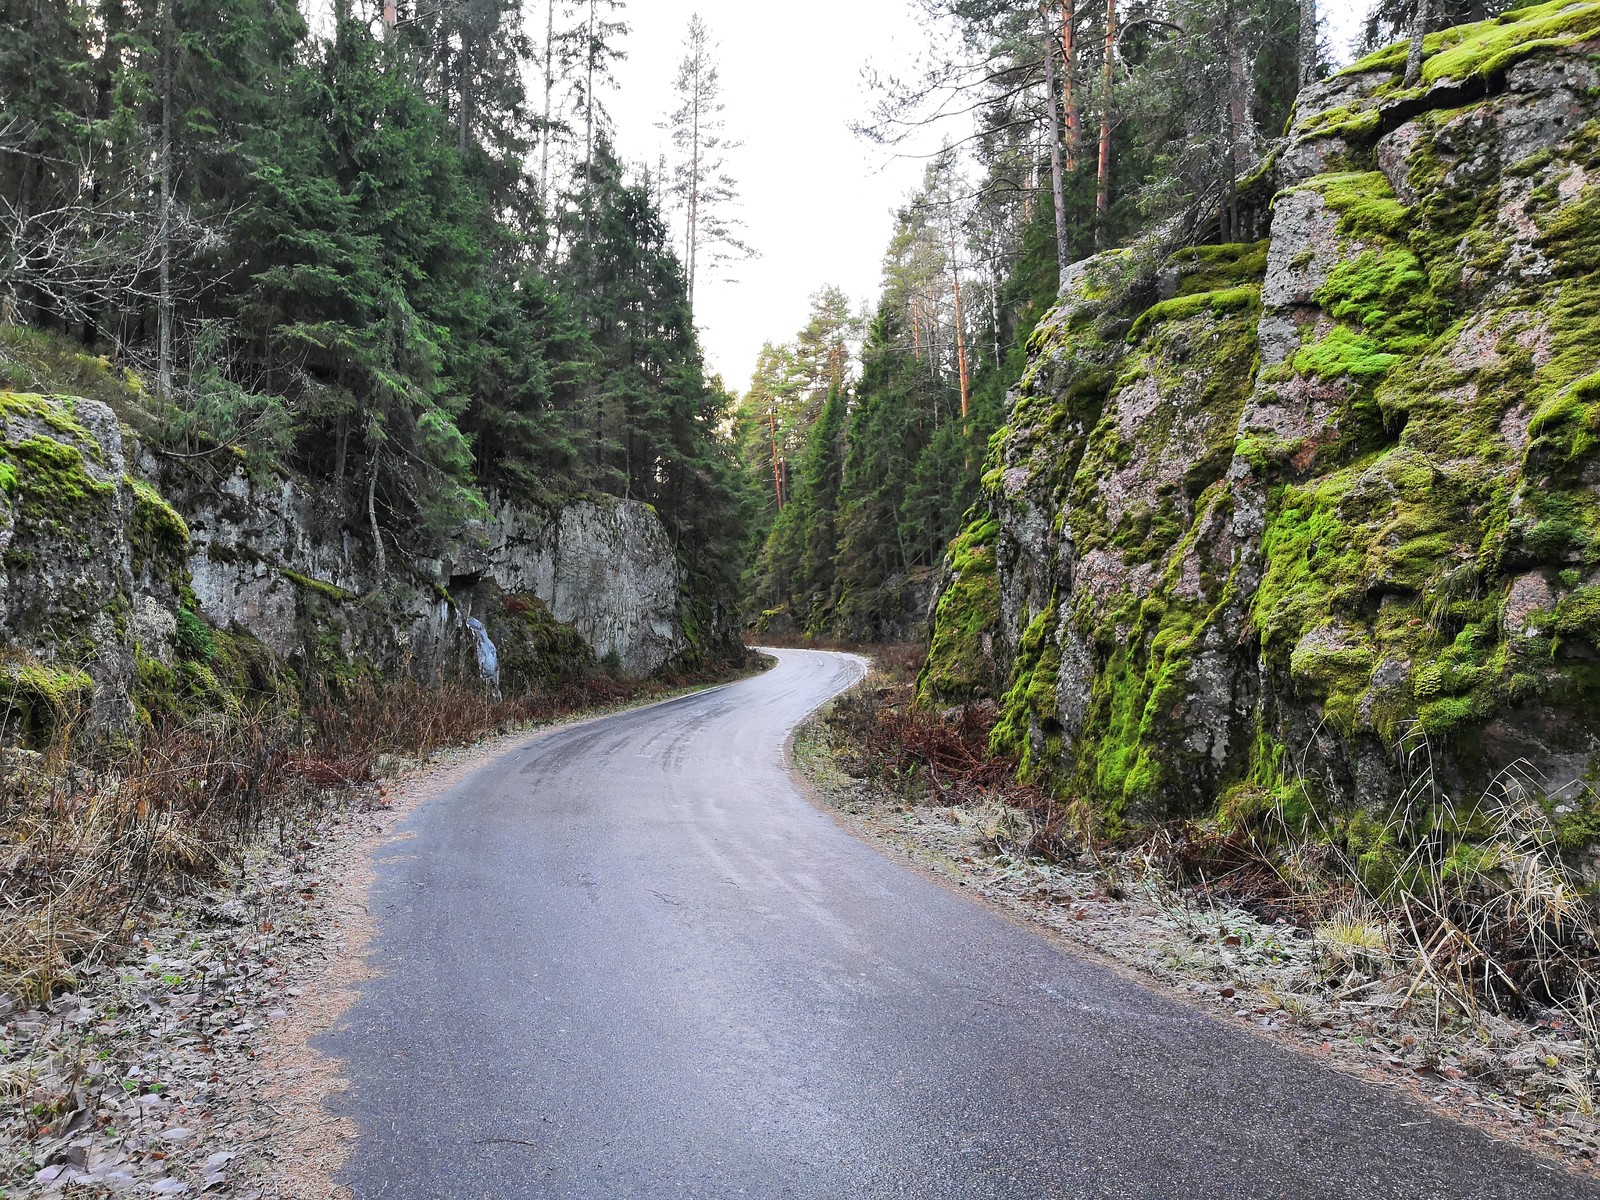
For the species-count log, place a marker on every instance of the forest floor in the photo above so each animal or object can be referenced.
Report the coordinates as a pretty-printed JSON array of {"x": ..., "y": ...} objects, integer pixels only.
[
  {"x": 185, "y": 1066},
  {"x": 1525, "y": 1080}
]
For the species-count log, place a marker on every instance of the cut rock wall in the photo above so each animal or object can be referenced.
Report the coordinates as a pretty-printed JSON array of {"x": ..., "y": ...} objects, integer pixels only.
[
  {"x": 125, "y": 577},
  {"x": 1271, "y": 524}
]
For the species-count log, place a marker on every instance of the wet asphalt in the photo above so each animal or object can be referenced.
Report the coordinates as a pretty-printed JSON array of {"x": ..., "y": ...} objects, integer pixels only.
[{"x": 628, "y": 959}]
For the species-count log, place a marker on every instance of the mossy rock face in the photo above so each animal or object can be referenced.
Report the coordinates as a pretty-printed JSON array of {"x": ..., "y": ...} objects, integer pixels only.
[
  {"x": 537, "y": 652},
  {"x": 1428, "y": 520},
  {"x": 39, "y": 701},
  {"x": 96, "y": 559},
  {"x": 961, "y": 661},
  {"x": 1260, "y": 517}
]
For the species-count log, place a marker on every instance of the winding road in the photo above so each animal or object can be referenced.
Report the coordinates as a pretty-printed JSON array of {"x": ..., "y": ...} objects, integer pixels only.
[{"x": 628, "y": 959}]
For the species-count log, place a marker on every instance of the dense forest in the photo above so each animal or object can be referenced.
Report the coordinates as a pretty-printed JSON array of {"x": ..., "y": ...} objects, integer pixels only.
[
  {"x": 1069, "y": 128},
  {"x": 395, "y": 253},
  {"x": 398, "y": 253}
]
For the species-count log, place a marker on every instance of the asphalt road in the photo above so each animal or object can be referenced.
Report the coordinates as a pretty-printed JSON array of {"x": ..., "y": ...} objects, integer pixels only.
[{"x": 629, "y": 959}]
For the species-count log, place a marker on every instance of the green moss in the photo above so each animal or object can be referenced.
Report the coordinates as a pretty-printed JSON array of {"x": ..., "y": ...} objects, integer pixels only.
[
  {"x": 960, "y": 664},
  {"x": 1216, "y": 268},
  {"x": 1366, "y": 205},
  {"x": 1179, "y": 307},
  {"x": 1578, "y": 827},
  {"x": 55, "y": 413},
  {"x": 1344, "y": 352},
  {"x": 329, "y": 591},
  {"x": 37, "y": 701},
  {"x": 53, "y": 483},
  {"x": 1356, "y": 122},
  {"x": 1576, "y": 615},
  {"x": 159, "y": 536},
  {"x": 1386, "y": 295},
  {"x": 1336, "y": 673},
  {"x": 537, "y": 652},
  {"x": 1029, "y": 705},
  {"x": 1489, "y": 47}
]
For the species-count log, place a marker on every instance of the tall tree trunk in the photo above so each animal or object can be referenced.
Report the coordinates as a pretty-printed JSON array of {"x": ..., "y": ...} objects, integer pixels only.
[
  {"x": 1057, "y": 191},
  {"x": 1241, "y": 125},
  {"x": 164, "y": 234},
  {"x": 588, "y": 134},
  {"x": 1308, "y": 43},
  {"x": 1069, "y": 91},
  {"x": 1419, "y": 30},
  {"x": 464, "y": 90},
  {"x": 994, "y": 300},
  {"x": 777, "y": 461},
  {"x": 1102, "y": 191},
  {"x": 961, "y": 337}
]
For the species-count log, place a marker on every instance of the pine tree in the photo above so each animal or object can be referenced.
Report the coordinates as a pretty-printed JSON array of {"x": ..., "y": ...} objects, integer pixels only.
[{"x": 699, "y": 178}]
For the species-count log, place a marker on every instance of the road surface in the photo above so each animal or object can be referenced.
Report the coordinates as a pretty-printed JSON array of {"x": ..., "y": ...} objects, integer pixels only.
[{"x": 627, "y": 959}]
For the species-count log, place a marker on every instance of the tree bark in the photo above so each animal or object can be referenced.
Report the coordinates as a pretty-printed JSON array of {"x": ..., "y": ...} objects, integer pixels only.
[
  {"x": 1308, "y": 43},
  {"x": 588, "y": 134},
  {"x": 464, "y": 88},
  {"x": 1102, "y": 193},
  {"x": 694, "y": 179},
  {"x": 1241, "y": 124},
  {"x": 777, "y": 468},
  {"x": 961, "y": 337},
  {"x": 372, "y": 519},
  {"x": 1419, "y": 30},
  {"x": 1069, "y": 93},
  {"x": 1057, "y": 191}
]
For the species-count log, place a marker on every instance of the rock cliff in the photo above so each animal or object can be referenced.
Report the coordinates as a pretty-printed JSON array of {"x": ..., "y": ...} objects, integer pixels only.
[
  {"x": 1272, "y": 524},
  {"x": 129, "y": 580}
]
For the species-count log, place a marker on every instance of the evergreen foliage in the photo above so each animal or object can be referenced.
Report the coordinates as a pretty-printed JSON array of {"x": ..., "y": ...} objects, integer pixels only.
[
  {"x": 1158, "y": 126},
  {"x": 365, "y": 280}
]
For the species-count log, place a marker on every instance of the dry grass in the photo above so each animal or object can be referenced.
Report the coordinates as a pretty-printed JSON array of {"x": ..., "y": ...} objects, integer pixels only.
[{"x": 89, "y": 842}]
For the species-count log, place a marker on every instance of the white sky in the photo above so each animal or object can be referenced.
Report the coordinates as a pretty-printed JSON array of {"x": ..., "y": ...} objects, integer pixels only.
[{"x": 817, "y": 202}]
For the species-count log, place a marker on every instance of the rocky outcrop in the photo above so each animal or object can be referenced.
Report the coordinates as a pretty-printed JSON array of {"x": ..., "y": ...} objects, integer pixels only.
[
  {"x": 130, "y": 580},
  {"x": 1271, "y": 523},
  {"x": 264, "y": 553}
]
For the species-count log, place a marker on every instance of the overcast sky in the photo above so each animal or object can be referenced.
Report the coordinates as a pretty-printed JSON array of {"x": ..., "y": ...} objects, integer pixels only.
[{"x": 817, "y": 202}]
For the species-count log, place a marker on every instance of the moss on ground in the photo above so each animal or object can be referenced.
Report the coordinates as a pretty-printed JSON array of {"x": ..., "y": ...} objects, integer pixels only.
[{"x": 34, "y": 361}]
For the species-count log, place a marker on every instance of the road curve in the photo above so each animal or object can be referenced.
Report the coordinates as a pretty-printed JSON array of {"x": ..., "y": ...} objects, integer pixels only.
[{"x": 627, "y": 959}]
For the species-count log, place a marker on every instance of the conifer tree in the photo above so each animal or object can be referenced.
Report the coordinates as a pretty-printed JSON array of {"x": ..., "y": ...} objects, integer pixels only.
[{"x": 699, "y": 178}]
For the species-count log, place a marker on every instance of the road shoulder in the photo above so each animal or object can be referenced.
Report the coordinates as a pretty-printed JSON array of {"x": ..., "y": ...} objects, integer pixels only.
[{"x": 1222, "y": 961}]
